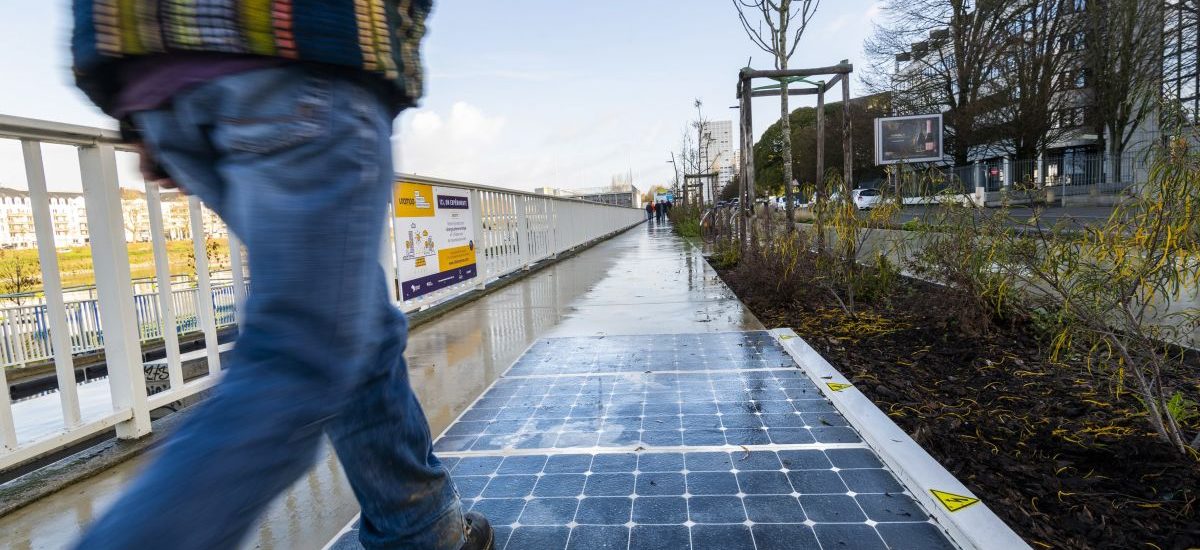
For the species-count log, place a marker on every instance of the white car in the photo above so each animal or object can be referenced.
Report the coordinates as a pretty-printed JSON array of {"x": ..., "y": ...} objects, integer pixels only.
[{"x": 865, "y": 199}]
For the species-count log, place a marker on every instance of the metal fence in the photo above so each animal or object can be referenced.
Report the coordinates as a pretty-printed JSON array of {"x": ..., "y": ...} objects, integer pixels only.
[
  {"x": 1068, "y": 174},
  {"x": 513, "y": 231},
  {"x": 25, "y": 330}
]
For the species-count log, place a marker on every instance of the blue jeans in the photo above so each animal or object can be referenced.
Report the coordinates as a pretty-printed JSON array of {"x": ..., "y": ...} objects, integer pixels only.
[{"x": 298, "y": 164}]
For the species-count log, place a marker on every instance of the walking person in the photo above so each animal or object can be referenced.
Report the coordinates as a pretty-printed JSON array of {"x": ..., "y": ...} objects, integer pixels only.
[
  {"x": 649, "y": 211},
  {"x": 279, "y": 119}
]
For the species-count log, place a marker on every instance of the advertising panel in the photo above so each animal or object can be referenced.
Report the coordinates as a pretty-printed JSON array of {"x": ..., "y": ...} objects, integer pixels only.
[
  {"x": 908, "y": 139},
  {"x": 435, "y": 238}
]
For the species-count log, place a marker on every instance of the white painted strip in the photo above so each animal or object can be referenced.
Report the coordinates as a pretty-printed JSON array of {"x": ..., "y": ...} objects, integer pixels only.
[
  {"x": 341, "y": 533},
  {"x": 972, "y": 525},
  {"x": 650, "y": 449},
  {"x": 640, "y": 372}
]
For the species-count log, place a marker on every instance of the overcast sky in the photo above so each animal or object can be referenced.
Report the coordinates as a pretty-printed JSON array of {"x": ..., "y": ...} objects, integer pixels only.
[{"x": 520, "y": 94}]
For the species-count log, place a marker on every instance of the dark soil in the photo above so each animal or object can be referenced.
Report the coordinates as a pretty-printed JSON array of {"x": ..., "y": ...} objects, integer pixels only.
[{"x": 1061, "y": 454}]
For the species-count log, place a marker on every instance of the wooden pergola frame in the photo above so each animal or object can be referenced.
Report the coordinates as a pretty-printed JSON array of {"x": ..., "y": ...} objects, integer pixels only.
[
  {"x": 710, "y": 176},
  {"x": 746, "y": 93}
]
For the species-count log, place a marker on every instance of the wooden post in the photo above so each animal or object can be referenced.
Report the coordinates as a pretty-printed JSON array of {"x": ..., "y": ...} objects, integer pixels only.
[
  {"x": 747, "y": 160},
  {"x": 820, "y": 179},
  {"x": 847, "y": 138},
  {"x": 685, "y": 188}
]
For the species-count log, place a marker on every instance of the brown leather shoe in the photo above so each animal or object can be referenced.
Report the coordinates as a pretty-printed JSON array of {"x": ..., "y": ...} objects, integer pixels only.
[{"x": 479, "y": 532}]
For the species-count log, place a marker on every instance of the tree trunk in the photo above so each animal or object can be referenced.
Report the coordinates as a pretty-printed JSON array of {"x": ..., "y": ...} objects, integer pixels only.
[
  {"x": 815, "y": 202},
  {"x": 1114, "y": 152},
  {"x": 781, "y": 63},
  {"x": 848, "y": 187},
  {"x": 788, "y": 169}
]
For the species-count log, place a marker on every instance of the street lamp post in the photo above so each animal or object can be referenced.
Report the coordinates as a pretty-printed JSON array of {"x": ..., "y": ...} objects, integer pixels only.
[{"x": 676, "y": 167}]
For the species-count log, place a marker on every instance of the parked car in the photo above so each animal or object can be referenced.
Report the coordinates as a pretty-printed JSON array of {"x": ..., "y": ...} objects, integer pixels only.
[{"x": 865, "y": 199}]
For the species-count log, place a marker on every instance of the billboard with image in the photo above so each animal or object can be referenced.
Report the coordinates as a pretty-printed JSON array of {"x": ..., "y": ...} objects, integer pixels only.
[{"x": 908, "y": 139}]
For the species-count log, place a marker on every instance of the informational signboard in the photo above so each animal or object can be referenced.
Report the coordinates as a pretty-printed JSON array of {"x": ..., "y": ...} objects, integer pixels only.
[
  {"x": 908, "y": 139},
  {"x": 435, "y": 238},
  {"x": 659, "y": 197}
]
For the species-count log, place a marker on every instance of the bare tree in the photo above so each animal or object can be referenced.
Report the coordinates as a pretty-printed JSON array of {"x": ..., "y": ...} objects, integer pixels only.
[
  {"x": 1182, "y": 23},
  {"x": 785, "y": 22},
  {"x": 1043, "y": 46},
  {"x": 704, "y": 141},
  {"x": 1121, "y": 54},
  {"x": 950, "y": 51},
  {"x": 688, "y": 163}
]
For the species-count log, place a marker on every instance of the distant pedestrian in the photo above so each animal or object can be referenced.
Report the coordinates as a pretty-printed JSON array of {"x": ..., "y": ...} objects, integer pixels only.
[
  {"x": 278, "y": 116},
  {"x": 649, "y": 211},
  {"x": 658, "y": 212}
]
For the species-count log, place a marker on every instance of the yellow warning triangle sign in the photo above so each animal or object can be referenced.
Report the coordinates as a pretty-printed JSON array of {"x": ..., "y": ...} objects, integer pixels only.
[
  {"x": 952, "y": 501},
  {"x": 838, "y": 386}
]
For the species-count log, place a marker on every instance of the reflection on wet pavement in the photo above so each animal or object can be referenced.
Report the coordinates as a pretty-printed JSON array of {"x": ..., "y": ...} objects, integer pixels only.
[{"x": 646, "y": 281}]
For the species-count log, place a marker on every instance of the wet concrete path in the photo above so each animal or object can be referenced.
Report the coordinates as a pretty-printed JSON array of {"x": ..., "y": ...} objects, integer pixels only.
[
  {"x": 645, "y": 281},
  {"x": 655, "y": 415}
]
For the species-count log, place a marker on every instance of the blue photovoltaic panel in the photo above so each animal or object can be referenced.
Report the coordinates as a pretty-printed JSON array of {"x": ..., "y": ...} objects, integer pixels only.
[
  {"x": 681, "y": 499},
  {"x": 673, "y": 441}
]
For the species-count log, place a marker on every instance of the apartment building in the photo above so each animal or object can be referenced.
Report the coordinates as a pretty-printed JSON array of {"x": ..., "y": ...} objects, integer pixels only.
[{"x": 68, "y": 214}]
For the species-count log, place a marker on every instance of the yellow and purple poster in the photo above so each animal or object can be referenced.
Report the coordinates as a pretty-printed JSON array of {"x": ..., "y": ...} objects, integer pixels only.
[{"x": 435, "y": 238}]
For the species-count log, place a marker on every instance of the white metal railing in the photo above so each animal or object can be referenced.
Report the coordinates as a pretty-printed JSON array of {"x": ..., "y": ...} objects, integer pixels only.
[
  {"x": 25, "y": 331},
  {"x": 513, "y": 231},
  {"x": 117, "y": 321}
]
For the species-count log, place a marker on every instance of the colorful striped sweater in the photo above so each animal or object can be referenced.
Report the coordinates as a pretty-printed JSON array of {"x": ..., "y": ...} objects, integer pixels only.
[{"x": 380, "y": 37}]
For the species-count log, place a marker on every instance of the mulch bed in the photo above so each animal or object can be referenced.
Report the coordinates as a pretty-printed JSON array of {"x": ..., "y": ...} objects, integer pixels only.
[{"x": 1060, "y": 454}]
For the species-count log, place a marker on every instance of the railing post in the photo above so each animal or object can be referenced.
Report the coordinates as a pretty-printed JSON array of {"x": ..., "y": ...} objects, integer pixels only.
[
  {"x": 477, "y": 230},
  {"x": 237, "y": 266},
  {"x": 114, "y": 288},
  {"x": 162, "y": 273},
  {"x": 204, "y": 297},
  {"x": 552, "y": 215},
  {"x": 8, "y": 429},
  {"x": 56, "y": 309},
  {"x": 523, "y": 244}
]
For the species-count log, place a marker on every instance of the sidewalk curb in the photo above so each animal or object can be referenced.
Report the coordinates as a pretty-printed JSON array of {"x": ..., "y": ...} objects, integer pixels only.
[{"x": 966, "y": 519}]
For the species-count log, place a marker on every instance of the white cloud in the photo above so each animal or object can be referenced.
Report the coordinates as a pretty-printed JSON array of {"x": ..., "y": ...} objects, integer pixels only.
[
  {"x": 426, "y": 123},
  {"x": 457, "y": 145}
]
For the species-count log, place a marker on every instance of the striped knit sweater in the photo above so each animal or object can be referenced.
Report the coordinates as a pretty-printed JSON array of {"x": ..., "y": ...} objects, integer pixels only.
[{"x": 380, "y": 37}]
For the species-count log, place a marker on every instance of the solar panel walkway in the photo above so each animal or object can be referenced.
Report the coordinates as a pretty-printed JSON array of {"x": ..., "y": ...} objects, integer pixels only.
[{"x": 702, "y": 441}]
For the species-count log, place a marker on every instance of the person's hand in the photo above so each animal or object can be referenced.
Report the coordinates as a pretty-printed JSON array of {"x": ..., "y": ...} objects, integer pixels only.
[{"x": 152, "y": 171}]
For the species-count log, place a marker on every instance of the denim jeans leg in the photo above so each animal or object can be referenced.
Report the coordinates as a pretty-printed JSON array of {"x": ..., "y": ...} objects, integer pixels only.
[
  {"x": 299, "y": 166},
  {"x": 383, "y": 441}
]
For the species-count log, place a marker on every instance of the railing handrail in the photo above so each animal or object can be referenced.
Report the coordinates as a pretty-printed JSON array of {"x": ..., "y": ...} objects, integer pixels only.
[
  {"x": 414, "y": 178},
  {"x": 49, "y": 131}
]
